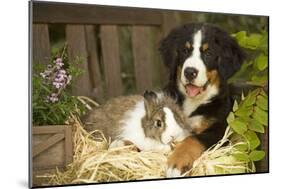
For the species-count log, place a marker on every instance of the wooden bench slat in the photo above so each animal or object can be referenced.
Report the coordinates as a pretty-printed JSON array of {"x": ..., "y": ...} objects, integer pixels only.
[
  {"x": 41, "y": 43},
  {"x": 170, "y": 21},
  {"x": 76, "y": 41},
  {"x": 46, "y": 12},
  {"x": 46, "y": 144},
  {"x": 142, "y": 52},
  {"x": 48, "y": 129},
  {"x": 94, "y": 66},
  {"x": 111, "y": 60}
]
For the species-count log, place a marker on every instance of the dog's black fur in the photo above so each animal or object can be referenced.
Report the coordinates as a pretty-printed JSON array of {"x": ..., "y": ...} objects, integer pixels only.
[{"x": 225, "y": 56}]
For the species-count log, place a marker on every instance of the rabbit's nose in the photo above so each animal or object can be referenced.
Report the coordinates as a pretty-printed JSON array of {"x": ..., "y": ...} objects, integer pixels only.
[{"x": 172, "y": 138}]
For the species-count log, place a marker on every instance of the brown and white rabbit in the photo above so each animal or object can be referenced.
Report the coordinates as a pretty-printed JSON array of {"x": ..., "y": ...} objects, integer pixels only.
[{"x": 151, "y": 122}]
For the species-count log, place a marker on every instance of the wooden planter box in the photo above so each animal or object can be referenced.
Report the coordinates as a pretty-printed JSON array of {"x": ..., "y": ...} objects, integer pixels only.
[{"x": 51, "y": 148}]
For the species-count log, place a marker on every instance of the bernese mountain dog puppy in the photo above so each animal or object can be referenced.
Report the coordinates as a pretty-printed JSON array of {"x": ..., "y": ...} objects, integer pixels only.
[{"x": 200, "y": 57}]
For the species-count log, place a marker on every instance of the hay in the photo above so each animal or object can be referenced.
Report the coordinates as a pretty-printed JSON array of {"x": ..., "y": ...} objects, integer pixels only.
[
  {"x": 220, "y": 159},
  {"x": 94, "y": 162}
]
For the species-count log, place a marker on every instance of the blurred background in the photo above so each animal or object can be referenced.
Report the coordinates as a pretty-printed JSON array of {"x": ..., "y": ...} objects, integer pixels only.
[{"x": 118, "y": 46}]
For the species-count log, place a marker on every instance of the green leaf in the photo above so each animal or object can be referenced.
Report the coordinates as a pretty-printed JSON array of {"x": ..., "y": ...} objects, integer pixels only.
[
  {"x": 241, "y": 38},
  {"x": 260, "y": 115},
  {"x": 264, "y": 94},
  {"x": 235, "y": 106},
  {"x": 259, "y": 80},
  {"x": 249, "y": 100},
  {"x": 256, "y": 126},
  {"x": 262, "y": 102},
  {"x": 240, "y": 35},
  {"x": 252, "y": 139},
  {"x": 241, "y": 147},
  {"x": 244, "y": 111},
  {"x": 242, "y": 96},
  {"x": 241, "y": 157},
  {"x": 230, "y": 117},
  {"x": 261, "y": 62},
  {"x": 238, "y": 126},
  {"x": 256, "y": 92},
  {"x": 254, "y": 40},
  {"x": 257, "y": 155}
]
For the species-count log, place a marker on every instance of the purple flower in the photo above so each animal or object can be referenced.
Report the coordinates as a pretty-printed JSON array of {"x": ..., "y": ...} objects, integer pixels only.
[
  {"x": 58, "y": 85},
  {"x": 56, "y": 76},
  {"x": 43, "y": 75},
  {"x": 63, "y": 72},
  {"x": 58, "y": 60},
  {"x": 53, "y": 97}
]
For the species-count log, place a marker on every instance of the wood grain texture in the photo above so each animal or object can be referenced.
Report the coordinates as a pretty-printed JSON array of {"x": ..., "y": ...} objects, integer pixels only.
[
  {"x": 46, "y": 12},
  {"x": 111, "y": 60},
  {"x": 68, "y": 145},
  {"x": 41, "y": 43},
  {"x": 76, "y": 41},
  {"x": 171, "y": 20},
  {"x": 142, "y": 52},
  {"x": 94, "y": 66},
  {"x": 51, "y": 147},
  {"x": 46, "y": 144},
  {"x": 48, "y": 129}
]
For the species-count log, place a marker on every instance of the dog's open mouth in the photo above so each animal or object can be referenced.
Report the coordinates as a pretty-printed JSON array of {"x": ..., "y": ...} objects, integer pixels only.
[{"x": 192, "y": 90}]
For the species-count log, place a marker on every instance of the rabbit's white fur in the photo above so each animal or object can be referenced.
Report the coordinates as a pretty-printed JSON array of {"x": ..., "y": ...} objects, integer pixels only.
[
  {"x": 133, "y": 131},
  {"x": 173, "y": 131}
]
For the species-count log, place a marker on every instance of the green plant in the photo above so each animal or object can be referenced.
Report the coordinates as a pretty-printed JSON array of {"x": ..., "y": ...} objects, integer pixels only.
[
  {"x": 255, "y": 70},
  {"x": 250, "y": 114},
  {"x": 248, "y": 118},
  {"x": 52, "y": 102}
]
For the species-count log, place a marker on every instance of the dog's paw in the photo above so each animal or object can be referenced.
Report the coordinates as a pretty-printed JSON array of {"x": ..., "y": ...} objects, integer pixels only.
[
  {"x": 182, "y": 158},
  {"x": 173, "y": 172}
]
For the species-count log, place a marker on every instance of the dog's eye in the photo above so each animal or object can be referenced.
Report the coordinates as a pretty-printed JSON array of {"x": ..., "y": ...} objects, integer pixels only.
[
  {"x": 184, "y": 50},
  {"x": 158, "y": 123},
  {"x": 207, "y": 53}
]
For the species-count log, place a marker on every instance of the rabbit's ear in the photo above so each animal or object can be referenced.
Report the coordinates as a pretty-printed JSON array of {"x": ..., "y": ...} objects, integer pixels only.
[{"x": 150, "y": 98}]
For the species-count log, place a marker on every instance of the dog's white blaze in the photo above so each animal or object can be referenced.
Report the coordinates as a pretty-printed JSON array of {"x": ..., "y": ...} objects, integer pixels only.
[
  {"x": 173, "y": 131},
  {"x": 133, "y": 131},
  {"x": 196, "y": 62}
]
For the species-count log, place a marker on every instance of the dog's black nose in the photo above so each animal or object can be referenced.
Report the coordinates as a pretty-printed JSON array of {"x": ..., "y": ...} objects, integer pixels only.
[{"x": 190, "y": 73}]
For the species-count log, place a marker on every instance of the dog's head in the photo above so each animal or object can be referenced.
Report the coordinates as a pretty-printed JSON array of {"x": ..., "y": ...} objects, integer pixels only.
[{"x": 200, "y": 57}]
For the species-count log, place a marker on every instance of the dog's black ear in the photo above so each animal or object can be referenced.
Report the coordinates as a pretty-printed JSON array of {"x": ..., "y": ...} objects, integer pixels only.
[
  {"x": 168, "y": 49},
  {"x": 231, "y": 56}
]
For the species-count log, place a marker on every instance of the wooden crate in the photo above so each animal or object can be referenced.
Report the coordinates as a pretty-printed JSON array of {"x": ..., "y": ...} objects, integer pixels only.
[{"x": 51, "y": 148}]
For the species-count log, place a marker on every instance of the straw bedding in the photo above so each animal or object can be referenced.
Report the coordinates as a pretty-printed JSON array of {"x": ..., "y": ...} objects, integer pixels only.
[{"x": 93, "y": 162}]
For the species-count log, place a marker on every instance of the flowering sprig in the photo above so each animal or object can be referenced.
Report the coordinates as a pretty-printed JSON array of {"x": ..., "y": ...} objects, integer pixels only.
[
  {"x": 56, "y": 76},
  {"x": 52, "y": 99}
]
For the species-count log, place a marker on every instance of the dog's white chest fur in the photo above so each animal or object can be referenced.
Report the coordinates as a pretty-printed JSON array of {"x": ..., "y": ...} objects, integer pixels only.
[{"x": 191, "y": 104}]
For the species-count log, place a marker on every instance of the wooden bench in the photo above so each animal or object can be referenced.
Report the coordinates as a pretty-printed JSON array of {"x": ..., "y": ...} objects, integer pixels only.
[{"x": 91, "y": 32}]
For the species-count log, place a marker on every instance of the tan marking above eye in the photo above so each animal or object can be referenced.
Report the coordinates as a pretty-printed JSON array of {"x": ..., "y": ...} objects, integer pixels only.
[
  {"x": 205, "y": 46},
  {"x": 188, "y": 45}
]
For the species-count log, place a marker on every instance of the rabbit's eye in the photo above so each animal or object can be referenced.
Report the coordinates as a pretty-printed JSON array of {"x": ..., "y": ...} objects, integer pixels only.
[{"x": 158, "y": 123}]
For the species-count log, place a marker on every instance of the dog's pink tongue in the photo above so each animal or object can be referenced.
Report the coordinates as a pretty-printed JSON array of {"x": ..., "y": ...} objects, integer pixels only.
[{"x": 192, "y": 90}]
